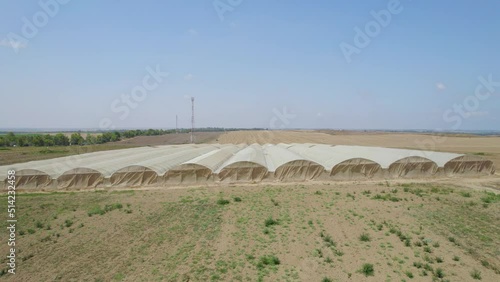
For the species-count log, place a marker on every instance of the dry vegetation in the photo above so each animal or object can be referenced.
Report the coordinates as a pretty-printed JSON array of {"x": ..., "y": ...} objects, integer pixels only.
[{"x": 297, "y": 232}]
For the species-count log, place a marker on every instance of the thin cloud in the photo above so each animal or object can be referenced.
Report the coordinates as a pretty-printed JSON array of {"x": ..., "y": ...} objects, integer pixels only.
[
  {"x": 193, "y": 32},
  {"x": 440, "y": 86},
  {"x": 12, "y": 44},
  {"x": 188, "y": 77}
]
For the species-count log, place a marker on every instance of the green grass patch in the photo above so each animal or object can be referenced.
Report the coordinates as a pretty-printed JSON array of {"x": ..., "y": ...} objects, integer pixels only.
[
  {"x": 476, "y": 274},
  {"x": 222, "y": 202},
  {"x": 364, "y": 237},
  {"x": 367, "y": 269}
]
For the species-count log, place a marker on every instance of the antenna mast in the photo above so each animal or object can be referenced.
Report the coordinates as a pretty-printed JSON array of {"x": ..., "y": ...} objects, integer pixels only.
[
  {"x": 176, "y": 124},
  {"x": 192, "y": 119}
]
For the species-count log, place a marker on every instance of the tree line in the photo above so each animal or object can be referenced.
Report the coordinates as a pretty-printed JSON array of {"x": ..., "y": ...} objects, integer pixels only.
[{"x": 59, "y": 139}]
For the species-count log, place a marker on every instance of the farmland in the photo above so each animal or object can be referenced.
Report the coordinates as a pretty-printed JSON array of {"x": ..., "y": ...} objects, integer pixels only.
[{"x": 387, "y": 231}]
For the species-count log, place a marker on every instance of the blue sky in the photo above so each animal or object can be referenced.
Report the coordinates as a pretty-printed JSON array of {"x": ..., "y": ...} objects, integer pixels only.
[{"x": 266, "y": 64}]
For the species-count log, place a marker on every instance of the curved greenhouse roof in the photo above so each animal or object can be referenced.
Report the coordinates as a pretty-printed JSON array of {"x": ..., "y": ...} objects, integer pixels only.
[{"x": 182, "y": 164}]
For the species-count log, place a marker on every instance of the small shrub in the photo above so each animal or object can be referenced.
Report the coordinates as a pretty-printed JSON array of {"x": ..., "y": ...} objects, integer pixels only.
[
  {"x": 222, "y": 202},
  {"x": 31, "y": 231},
  {"x": 326, "y": 279},
  {"x": 439, "y": 259},
  {"x": 318, "y": 193},
  {"x": 266, "y": 231},
  {"x": 39, "y": 225},
  {"x": 270, "y": 222},
  {"x": 407, "y": 242},
  {"x": 379, "y": 227},
  {"x": 68, "y": 222},
  {"x": 364, "y": 237},
  {"x": 485, "y": 263},
  {"x": 476, "y": 274},
  {"x": 328, "y": 260},
  {"x": 237, "y": 199},
  {"x": 427, "y": 249},
  {"x": 456, "y": 258},
  {"x": 436, "y": 245},
  {"x": 270, "y": 260},
  {"x": 21, "y": 232},
  {"x": 428, "y": 259},
  {"x": 367, "y": 269},
  {"x": 439, "y": 273},
  {"x": 96, "y": 210},
  {"x": 329, "y": 241},
  {"x": 417, "y": 264},
  {"x": 409, "y": 274},
  {"x": 318, "y": 253}
]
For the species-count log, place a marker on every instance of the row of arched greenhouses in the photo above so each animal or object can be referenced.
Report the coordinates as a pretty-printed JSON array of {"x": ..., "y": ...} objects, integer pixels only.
[{"x": 174, "y": 165}]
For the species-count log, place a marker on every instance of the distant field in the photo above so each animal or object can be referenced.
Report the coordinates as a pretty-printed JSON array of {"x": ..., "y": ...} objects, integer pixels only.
[
  {"x": 10, "y": 155},
  {"x": 297, "y": 232},
  {"x": 171, "y": 139}
]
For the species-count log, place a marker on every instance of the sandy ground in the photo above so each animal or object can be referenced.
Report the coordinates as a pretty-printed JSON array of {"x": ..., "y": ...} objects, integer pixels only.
[
  {"x": 489, "y": 146},
  {"x": 186, "y": 235}
]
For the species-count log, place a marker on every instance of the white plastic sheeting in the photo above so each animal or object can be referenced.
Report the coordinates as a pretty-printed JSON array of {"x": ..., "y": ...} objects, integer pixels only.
[{"x": 187, "y": 164}]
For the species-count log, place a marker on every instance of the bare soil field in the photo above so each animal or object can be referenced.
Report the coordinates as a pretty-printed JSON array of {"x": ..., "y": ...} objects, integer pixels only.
[
  {"x": 489, "y": 147},
  {"x": 387, "y": 231},
  {"x": 171, "y": 139}
]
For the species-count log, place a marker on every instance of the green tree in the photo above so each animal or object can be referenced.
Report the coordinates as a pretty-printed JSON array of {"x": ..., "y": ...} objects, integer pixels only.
[
  {"x": 90, "y": 139},
  {"x": 37, "y": 140},
  {"x": 21, "y": 141},
  {"x": 11, "y": 138},
  {"x": 61, "y": 140},
  {"x": 76, "y": 139},
  {"x": 48, "y": 140}
]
